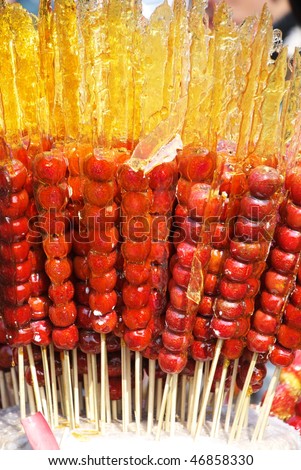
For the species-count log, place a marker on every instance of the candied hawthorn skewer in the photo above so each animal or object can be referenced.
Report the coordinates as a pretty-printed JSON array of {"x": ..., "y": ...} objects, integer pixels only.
[
  {"x": 51, "y": 190},
  {"x": 16, "y": 264},
  {"x": 162, "y": 182},
  {"x": 136, "y": 248},
  {"x": 196, "y": 169}
]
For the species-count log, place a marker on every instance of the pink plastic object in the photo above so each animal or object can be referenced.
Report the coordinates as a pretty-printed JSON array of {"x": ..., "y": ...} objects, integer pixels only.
[{"x": 39, "y": 433}]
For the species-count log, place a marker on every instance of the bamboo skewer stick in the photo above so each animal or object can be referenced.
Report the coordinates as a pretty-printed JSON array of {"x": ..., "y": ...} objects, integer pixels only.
[
  {"x": 76, "y": 390},
  {"x": 114, "y": 410},
  {"x": 21, "y": 372},
  {"x": 95, "y": 394},
  {"x": 163, "y": 405},
  {"x": 34, "y": 379},
  {"x": 15, "y": 385},
  {"x": 204, "y": 404},
  {"x": 183, "y": 398},
  {"x": 151, "y": 394},
  {"x": 3, "y": 391},
  {"x": 219, "y": 401},
  {"x": 231, "y": 395},
  {"x": 53, "y": 386},
  {"x": 138, "y": 392},
  {"x": 196, "y": 396},
  {"x": 62, "y": 396},
  {"x": 128, "y": 384},
  {"x": 47, "y": 385},
  {"x": 44, "y": 403},
  {"x": 266, "y": 406},
  {"x": 87, "y": 398},
  {"x": 174, "y": 391},
  {"x": 242, "y": 398},
  {"x": 32, "y": 405},
  {"x": 90, "y": 388},
  {"x": 124, "y": 388},
  {"x": 159, "y": 395},
  {"x": 102, "y": 381},
  {"x": 68, "y": 388},
  {"x": 108, "y": 400}
]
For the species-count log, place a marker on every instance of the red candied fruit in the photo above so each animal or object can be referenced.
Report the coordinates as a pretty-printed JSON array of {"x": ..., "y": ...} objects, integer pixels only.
[
  {"x": 42, "y": 331},
  {"x": 131, "y": 180},
  {"x": 232, "y": 348},
  {"x": 80, "y": 268},
  {"x": 17, "y": 294},
  {"x": 6, "y": 357},
  {"x": 176, "y": 342},
  {"x": 39, "y": 307},
  {"x": 136, "y": 204},
  {"x": 63, "y": 315},
  {"x": 211, "y": 284},
  {"x": 206, "y": 306},
  {"x": 292, "y": 316},
  {"x": 58, "y": 270},
  {"x": 289, "y": 337},
  {"x": 136, "y": 319},
  {"x": 201, "y": 329},
  {"x": 255, "y": 209},
  {"x": 103, "y": 303},
  {"x": 53, "y": 197},
  {"x": 16, "y": 316},
  {"x": 50, "y": 167},
  {"x": 258, "y": 342},
  {"x": 105, "y": 283},
  {"x": 135, "y": 297},
  {"x": 202, "y": 351},
  {"x": 84, "y": 317},
  {"x": 271, "y": 303},
  {"x": 248, "y": 230},
  {"x": 264, "y": 181},
  {"x": 172, "y": 363},
  {"x": 15, "y": 205},
  {"x": 99, "y": 194},
  {"x": 282, "y": 261},
  {"x": 14, "y": 252},
  {"x": 280, "y": 356},
  {"x": 223, "y": 329},
  {"x": 104, "y": 323},
  {"x": 178, "y": 321},
  {"x": 163, "y": 176},
  {"x": 296, "y": 296},
  {"x": 12, "y": 176},
  {"x": 178, "y": 296},
  {"x": 197, "y": 200},
  {"x": 15, "y": 273},
  {"x": 248, "y": 252},
  {"x": 115, "y": 388},
  {"x": 57, "y": 246},
  {"x": 265, "y": 323},
  {"x": 19, "y": 337},
  {"x": 82, "y": 293},
  {"x": 295, "y": 187},
  {"x": 99, "y": 264},
  {"x": 89, "y": 342},
  {"x": 65, "y": 338},
  {"x": 136, "y": 274},
  {"x": 104, "y": 241},
  {"x": 137, "y": 340},
  {"x": 232, "y": 290},
  {"x": 39, "y": 283},
  {"x": 236, "y": 270},
  {"x": 61, "y": 293},
  {"x": 277, "y": 283},
  {"x": 287, "y": 239},
  {"x": 98, "y": 168},
  {"x": 199, "y": 166},
  {"x": 229, "y": 310},
  {"x": 13, "y": 230},
  {"x": 242, "y": 327}
]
